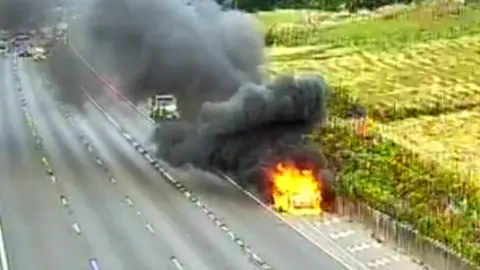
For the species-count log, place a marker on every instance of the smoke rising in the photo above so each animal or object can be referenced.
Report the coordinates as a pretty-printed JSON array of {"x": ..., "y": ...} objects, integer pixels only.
[
  {"x": 17, "y": 15},
  {"x": 66, "y": 71},
  {"x": 210, "y": 60},
  {"x": 196, "y": 52},
  {"x": 257, "y": 127}
]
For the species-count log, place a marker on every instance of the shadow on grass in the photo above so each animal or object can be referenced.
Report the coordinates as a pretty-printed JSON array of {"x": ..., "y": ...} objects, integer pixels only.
[
  {"x": 320, "y": 54},
  {"x": 345, "y": 105}
]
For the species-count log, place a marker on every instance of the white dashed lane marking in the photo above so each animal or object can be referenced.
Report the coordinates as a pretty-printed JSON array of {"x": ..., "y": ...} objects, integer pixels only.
[
  {"x": 341, "y": 234},
  {"x": 255, "y": 258},
  {"x": 314, "y": 229},
  {"x": 363, "y": 246},
  {"x": 383, "y": 262},
  {"x": 76, "y": 228},
  {"x": 39, "y": 146},
  {"x": 356, "y": 241},
  {"x": 129, "y": 201},
  {"x": 327, "y": 221},
  {"x": 94, "y": 264}
]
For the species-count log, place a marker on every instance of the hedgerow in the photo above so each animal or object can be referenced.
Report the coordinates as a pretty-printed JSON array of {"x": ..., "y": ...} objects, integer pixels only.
[{"x": 438, "y": 203}]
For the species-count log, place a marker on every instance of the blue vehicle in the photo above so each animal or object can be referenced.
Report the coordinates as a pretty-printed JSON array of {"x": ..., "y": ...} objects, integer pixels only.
[
  {"x": 24, "y": 51},
  {"x": 21, "y": 41}
]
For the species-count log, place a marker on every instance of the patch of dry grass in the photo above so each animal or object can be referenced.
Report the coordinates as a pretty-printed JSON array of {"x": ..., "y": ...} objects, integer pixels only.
[
  {"x": 450, "y": 139},
  {"x": 440, "y": 74}
]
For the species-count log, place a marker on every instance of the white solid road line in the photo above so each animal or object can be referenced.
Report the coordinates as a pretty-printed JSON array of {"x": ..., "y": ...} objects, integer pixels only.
[
  {"x": 94, "y": 264},
  {"x": 301, "y": 232},
  {"x": 176, "y": 263},
  {"x": 109, "y": 85},
  {"x": 269, "y": 210},
  {"x": 279, "y": 217},
  {"x": 3, "y": 253}
]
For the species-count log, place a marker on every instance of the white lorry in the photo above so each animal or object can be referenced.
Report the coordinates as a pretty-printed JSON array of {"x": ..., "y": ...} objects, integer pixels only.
[{"x": 164, "y": 107}]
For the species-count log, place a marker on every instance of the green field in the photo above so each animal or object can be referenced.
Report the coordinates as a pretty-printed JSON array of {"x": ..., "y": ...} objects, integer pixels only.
[
  {"x": 394, "y": 31},
  {"x": 416, "y": 73},
  {"x": 453, "y": 139},
  {"x": 436, "y": 75}
]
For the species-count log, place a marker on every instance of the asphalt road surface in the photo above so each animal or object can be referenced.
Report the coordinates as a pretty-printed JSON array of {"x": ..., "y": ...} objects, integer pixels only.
[
  {"x": 300, "y": 245},
  {"x": 86, "y": 216},
  {"x": 106, "y": 207},
  {"x": 36, "y": 228},
  {"x": 276, "y": 242}
]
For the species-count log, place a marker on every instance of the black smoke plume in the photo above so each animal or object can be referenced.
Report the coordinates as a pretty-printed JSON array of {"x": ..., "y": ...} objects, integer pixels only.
[
  {"x": 197, "y": 52},
  {"x": 21, "y": 15},
  {"x": 211, "y": 61},
  {"x": 258, "y": 127},
  {"x": 68, "y": 73}
]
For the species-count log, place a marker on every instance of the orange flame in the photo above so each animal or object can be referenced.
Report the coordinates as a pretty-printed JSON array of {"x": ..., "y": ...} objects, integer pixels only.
[{"x": 295, "y": 190}]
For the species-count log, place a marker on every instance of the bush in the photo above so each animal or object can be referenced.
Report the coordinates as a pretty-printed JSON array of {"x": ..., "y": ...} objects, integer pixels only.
[
  {"x": 288, "y": 34},
  {"x": 438, "y": 203},
  {"x": 253, "y": 5}
]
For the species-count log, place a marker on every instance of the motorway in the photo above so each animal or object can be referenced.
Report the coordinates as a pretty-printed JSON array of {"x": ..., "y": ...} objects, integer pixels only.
[
  {"x": 105, "y": 207},
  {"x": 302, "y": 243},
  {"x": 35, "y": 226},
  {"x": 98, "y": 210}
]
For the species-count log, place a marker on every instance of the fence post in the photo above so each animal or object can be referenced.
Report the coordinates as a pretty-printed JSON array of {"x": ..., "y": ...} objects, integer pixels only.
[{"x": 405, "y": 238}]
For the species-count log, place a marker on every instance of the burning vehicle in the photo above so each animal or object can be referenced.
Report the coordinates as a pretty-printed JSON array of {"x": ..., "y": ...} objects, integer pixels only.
[
  {"x": 257, "y": 138},
  {"x": 295, "y": 190},
  {"x": 230, "y": 119}
]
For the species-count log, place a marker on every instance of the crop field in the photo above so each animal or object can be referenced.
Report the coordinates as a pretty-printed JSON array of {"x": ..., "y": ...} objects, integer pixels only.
[
  {"x": 452, "y": 139},
  {"x": 437, "y": 76},
  {"x": 419, "y": 80},
  {"x": 375, "y": 31}
]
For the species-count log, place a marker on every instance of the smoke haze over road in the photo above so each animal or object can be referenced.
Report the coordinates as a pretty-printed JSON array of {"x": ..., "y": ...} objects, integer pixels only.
[
  {"x": 210, "y": 60},
  {"x": 18, "y": 15}
]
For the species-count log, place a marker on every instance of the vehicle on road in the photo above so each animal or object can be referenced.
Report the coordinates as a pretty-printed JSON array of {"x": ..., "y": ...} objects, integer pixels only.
[
  {"x": 24, "y": 51},
  {"x": 295, "y": 191},
  {"x": 39, "y": 54},
  {"x": 21, "y": 44},
  {"x": 3, "y": 47},
  {"x": 164, "y": 107},
  {"x": 22, "y": 37},
  {"x": 301, "y": 202}
]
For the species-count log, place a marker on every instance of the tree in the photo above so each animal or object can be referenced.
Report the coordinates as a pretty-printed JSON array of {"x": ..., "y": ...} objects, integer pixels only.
[{"x": 256, "y": 5}]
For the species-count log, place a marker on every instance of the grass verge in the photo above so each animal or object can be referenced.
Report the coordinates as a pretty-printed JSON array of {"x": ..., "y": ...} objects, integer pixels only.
[
  {"x": 438, "y": 203},
  {"x": 412, "y": 167},
  {"x": 418, "y": 24}
]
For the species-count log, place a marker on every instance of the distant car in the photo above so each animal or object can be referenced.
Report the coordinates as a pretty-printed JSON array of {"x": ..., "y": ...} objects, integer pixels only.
[
  {"x": 24, "y": 51},
  {"x": 39, "y": 54},
  {"x": 22, "y": 38},
  {"x": 3, "y": 48}
]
